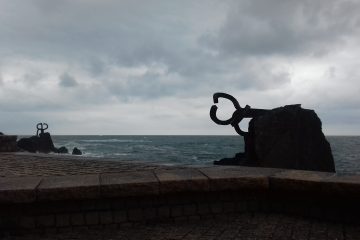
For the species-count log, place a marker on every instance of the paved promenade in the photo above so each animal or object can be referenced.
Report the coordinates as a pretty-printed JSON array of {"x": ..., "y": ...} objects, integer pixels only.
[
  {"x": 23, "y": 164},
  {"x": 240, "y": 226}
]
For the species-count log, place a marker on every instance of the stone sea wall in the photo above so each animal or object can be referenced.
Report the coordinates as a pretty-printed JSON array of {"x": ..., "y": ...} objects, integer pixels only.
[
  {"x": 126, "y": 198},
  {"x": 8, "y": 143}
]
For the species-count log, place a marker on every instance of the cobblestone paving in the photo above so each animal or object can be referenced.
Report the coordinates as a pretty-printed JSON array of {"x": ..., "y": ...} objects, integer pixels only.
[
  {"x": 47, "y": 165},
  {"x": 245, "y": 226}
]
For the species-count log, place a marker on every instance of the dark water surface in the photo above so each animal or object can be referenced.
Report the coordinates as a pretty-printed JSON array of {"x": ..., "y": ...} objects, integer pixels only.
[{"x": 193, "y": 150}]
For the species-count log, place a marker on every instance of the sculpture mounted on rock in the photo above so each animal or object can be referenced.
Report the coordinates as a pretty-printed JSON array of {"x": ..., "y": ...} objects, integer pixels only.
[
  {"x": 46, "y": 144},
  {"x": 286, "y": 137},
  {"x": 42, "y": 142}
]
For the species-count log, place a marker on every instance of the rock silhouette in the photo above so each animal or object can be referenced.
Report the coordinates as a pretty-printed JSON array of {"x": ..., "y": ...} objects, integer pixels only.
[
  {"x": 62, "y": 150},
  {"x": 289, "y": 137},
  {"x": 76, "y": 151},
  {"x": 8, "y": 143},
  {"x": 30, "y": 144},
  {"x": 42, "y": 142},
  {"x": 286, "y": 137}
]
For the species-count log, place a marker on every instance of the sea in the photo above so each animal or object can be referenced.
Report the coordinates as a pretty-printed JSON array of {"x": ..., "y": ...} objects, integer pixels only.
[{"x": 192, "y": 150}]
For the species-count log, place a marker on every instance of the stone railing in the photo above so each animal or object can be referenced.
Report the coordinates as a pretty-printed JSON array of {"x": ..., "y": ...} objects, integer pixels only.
[
  {"x": 117, "y": 199},
  {"x": 8, "y": 143}
]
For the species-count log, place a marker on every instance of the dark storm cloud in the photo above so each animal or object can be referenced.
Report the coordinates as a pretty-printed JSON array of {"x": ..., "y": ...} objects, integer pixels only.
[
  {"x": 96, "y": 34},
  {"x": 66, "y": 80},
  {"x": 286, "y": 27},
  {"x": 135, "y": 53},
  {"x": 92, "y": 28}
]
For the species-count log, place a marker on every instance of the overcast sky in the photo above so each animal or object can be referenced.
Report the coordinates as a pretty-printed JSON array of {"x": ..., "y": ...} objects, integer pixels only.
[{"x": 151, "y": 67}]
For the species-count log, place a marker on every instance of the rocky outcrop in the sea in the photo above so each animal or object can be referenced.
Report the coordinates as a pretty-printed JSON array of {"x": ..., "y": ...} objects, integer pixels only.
[
  {"x": 287, "y": 137},
  {"x": 42, "y": 142},
  {"x": 76, "y": 151},
  {"x": 8, "y": 143},
  {"x": 62, "y": 150}
]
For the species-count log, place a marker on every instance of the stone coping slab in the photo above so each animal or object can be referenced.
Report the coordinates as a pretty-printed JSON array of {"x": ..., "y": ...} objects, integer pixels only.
[
  {"x": 182, "y": 180},
  {"x": 129, "y": 184},
  {"x": 172, "y": 181},
  {"x": 299, "y": 181},
  {"x": 69, "y": 187},
  {"x": 18, "y": 189},
  {"x": 343, "y": 186},
  {"x": 316, "y": 184},
  {"x": 238, "y": 178}
]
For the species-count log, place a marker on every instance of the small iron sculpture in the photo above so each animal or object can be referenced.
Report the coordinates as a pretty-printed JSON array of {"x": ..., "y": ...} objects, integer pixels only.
[
  {"x": 238, "y": 115},
  {"x": 41, "y": 127}
]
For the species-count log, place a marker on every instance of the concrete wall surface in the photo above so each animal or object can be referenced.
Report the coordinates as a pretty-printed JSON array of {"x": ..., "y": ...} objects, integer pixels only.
[{"x": 174, "y": 195}]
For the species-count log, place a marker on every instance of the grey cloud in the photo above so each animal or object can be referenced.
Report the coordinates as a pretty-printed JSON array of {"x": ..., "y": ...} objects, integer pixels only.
[
  {"x": 245, "y": 47},
  {"x": 95, "y": 66},
  {"x": 66, "y": 80},
  {"x": 286, "y": 27},
  {"x": 78, "y": 29},
  {"x": 32, "y": 78},
  {"x": 148, "y": 86},
  {"x": 121, "y": 32}
]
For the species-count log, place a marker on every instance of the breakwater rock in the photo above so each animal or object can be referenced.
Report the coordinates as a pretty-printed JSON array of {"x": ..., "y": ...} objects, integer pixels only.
[
  {"x": 42, "y": 142},
  {"x": 76, "y": 151},
  {"x": 8, "y": 143},
  {"x": 287, "y": 137}
]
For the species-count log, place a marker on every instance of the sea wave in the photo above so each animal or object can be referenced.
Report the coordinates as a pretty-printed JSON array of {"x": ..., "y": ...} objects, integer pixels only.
[
  {"x": 115, "y": 141},
  {"x": 192, "y": 150}
]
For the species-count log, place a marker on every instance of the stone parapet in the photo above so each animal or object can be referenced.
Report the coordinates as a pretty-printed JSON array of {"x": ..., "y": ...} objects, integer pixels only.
[
  {"x": 8, "y": 143},
  {"x": 173, "y": 195}
]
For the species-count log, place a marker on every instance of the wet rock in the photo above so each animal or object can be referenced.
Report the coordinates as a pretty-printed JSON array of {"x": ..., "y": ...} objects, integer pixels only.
[
  {"x": 62, "y": 150},
  {"x": 76, "y": 151},
  {"x": 42, "y": 143},
  {"x": 46, "y": 144},
  {"x": 289, "y": 137},
  {"x": 8, "y": 143},
  {"x": 30, "y": 144},
  {"x": 239, "y": 159}
]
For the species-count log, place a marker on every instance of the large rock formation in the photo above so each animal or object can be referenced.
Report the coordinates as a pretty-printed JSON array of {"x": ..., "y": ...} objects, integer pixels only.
[
  {"x": 8, "y": 143},
  {"x": 76, "y": 151},
  {"x": 42, "y": 143},
  {"x": 286, "y": 137}
]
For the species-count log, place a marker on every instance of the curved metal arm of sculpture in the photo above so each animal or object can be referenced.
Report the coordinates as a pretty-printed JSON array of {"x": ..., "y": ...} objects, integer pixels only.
[
  {"x": 214, "y": 108},
  {"x": 41, "y": 127},
  {"x": 238, "y": 115}
]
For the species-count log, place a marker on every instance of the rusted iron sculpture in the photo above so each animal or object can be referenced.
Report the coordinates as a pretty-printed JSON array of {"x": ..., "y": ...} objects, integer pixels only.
[
  {"x": 238, "y": 115},
  {"x": 41, "y": 127}
]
